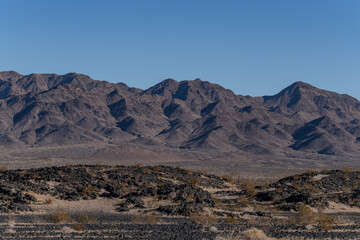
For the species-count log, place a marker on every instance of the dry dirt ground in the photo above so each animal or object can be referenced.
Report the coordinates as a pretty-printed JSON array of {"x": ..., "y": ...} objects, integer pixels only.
[{"x": 125, "y": 226}]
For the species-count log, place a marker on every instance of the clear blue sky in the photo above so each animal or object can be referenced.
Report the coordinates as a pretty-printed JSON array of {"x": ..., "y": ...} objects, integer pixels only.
[{"x": 253, "y": 47}]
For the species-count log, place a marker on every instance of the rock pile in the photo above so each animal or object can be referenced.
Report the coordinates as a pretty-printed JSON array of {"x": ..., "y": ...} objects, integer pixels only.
[
  {"x": 315, "y": 189},
  {"x": 181, "y": 189}
]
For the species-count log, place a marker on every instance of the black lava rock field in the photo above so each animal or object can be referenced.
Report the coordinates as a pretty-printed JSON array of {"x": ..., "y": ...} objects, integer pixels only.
[{"x": 161, "y": 202}]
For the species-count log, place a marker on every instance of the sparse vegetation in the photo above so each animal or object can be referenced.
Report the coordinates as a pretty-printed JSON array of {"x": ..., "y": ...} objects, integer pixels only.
[
  {"x": 148, "y": 218},
  {"x": 219, "y": 203},
  {"x": 254, "y": 234},
  {"x": 312, "y": 171},
  {"x": 249, "y": 188},
  {"x": 34, "y": 176},
  {"x": 243, "y": 201},
  {"x": 193, "y": 181},
  {"x": 228, "y": 178},
  {"x": 306, "y": 216},
  {"x": 325, "y": 170},
  {"x": 204, "y": 219},
  {"x": 78, "y": 227},
  {"x": 88, "y": 190},
  {"x": 347, "y": 170},
  {"x": 59, "y": 216},
  {"x": 230, "y": 220},
  {"x": 68, "y": 165},
  {"x": 326, "y": 221},
  {"x": 3, "y": 169},
  {"x": 155, "y": 168},
  {"x": 83, "y": 218}
]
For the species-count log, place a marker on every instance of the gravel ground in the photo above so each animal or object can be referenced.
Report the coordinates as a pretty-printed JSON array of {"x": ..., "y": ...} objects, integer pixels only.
[{"x": 122, "y": 226}]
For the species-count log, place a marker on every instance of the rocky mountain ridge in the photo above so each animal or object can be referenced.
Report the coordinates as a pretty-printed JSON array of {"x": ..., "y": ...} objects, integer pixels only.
[{"x": 61, "y": 110}]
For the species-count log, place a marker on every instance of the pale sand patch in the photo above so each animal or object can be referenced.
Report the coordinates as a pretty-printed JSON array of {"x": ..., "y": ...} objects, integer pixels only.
[
  {"x": 338, "y": 207},
  {"x": 248, "y": 217},
  {"x": 52, "y": 184},
  {"x": 256, "y": 234},
  {"x": 103, "y": 205},
  {"x": 318, "y": 177}
]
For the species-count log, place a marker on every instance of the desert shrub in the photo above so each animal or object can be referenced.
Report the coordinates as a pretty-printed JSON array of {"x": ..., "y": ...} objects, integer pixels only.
[
  {"x": 88, "y": 190},
  {"x": 148, "y": 218},
  {"x": 48, "y": 201},
  {"x": 296, "y": 177},
  {"x": 298, "y": 187},
  {"x": 292, "y": 221},
  {"x": 85, "y": 219},
  {"x": 237, "y": 207},
  {"x": 277, "y": 197},
  {"x": 188, "y": 171},
  {"x": 22, "y": 173},
  {"x": 243, "y": 201},
  {"x": 3, "y": 169},
  {"x": 136, "y": 218},
  {"x": 78, "y": 227},
  {"x": 59, "y": 216},
  {"x": 124, "y": 188},
  {"x": 151, "y": 218},
  {"x": 249, "y": 234},
  {"x": 228, "y": 178},
  {"x": 249, "y": 188},
  {"x": 312, "y": 171},
  {"x": 305, "y": 214},
  {"x": 325, "y": 170},
  {"x": 309, "y": 187},
  {"x": 347, "y": 170},
  {"x": 155, "y": 168},
  {"x": 193, "y": 181},
  {"x": 254, "y": 234},
  {"x": 90, "y": 171},
  {"x": 61, "y": 173},
  {"x": 34, "y": 176},
  {"x": 219, "y": 203},
  {"x": 230, "y": 220},
  {"x": 326, "y": 221},
  {"x": 203, "y": 219},
  {"x": 259, "y": 208}
]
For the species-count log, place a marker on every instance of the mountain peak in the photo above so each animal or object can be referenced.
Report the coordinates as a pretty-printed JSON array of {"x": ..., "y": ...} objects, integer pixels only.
[
  {"x": 7, "y": 75},
  {"x": 301, "y": 85},
  {"x": 167, "y": 84}
]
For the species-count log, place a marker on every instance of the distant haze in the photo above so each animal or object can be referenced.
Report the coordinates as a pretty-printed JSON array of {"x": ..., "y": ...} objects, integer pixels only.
[{"x": 251, "y": 47}]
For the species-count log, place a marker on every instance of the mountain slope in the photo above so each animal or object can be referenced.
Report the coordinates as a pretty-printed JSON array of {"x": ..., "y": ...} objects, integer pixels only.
[{"x": 62, "y": 110}]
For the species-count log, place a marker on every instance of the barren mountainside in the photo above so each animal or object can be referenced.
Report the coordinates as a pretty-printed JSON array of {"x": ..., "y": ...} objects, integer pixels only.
[{"x": 61, "y": 110}]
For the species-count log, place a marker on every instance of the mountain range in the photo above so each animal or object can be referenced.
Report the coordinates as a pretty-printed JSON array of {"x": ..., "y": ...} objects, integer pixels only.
[{"x": 196, "y": 118}]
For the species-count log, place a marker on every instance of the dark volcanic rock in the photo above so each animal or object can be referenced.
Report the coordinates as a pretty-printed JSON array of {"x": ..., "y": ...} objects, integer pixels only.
[
  {"x": 130, "y": 184},
  {"x": 314, "y": 189}
]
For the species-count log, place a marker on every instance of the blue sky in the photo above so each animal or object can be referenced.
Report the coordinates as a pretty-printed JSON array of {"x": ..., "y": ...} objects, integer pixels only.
[{"x": 253, "y": 47}]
